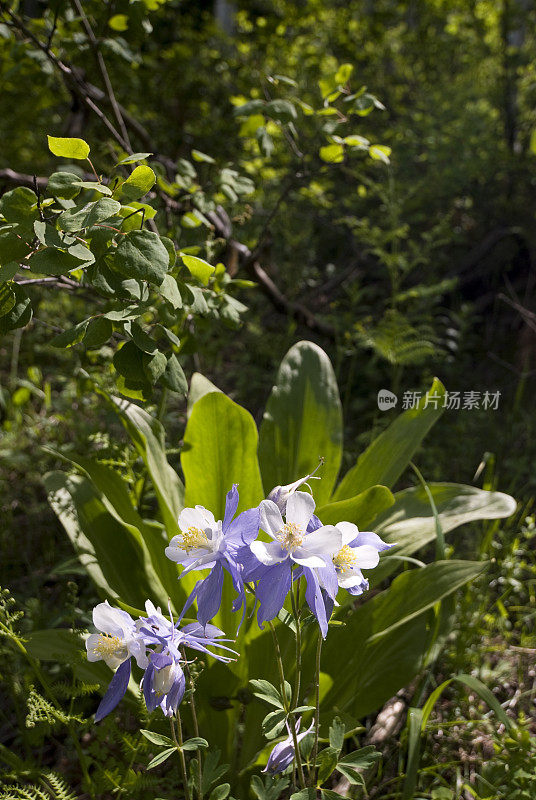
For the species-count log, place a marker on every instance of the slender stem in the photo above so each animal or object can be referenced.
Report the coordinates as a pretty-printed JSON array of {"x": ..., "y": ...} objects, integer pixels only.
[
  {"x": 195, "y": 724},
  {"x": 177, "y": 738},
  {"x": 279, "y": 661},
  {"x": 296, "y": 614},
  {"x": 317, "y": 702}
]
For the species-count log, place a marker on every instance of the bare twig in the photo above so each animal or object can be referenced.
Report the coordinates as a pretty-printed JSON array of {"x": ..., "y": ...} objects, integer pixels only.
[{"x": 104, "y": 72}]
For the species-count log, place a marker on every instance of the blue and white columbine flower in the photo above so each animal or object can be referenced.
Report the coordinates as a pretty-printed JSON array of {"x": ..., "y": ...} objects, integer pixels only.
[
  {"x": 205, "y": 543},
  {"x": 360, "y": 550},
  {"x": 292, "y": 544},
  {"x": 118, "y": 641},
  {"x": 158, "y": 645},
  {"x": 283, "y": 753}
]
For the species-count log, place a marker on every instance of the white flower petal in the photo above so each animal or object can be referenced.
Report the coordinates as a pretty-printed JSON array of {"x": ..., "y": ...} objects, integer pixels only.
[
  {"x": 271, "y": 519},
  {"x": 208, "y": 516},
  {"x": 348, "y": 530},
  {"x": 367, "y": 556},
  {"x": 192, "y": 518},
  {"x": 349, "y": 579},
  {"x": 268, "y": 553},
  {"x": 305, "y": 559},
  {"x": 300, "y": 509},
  {"x": 111, "y": 620},
  {"x": 325, "y": 541}
]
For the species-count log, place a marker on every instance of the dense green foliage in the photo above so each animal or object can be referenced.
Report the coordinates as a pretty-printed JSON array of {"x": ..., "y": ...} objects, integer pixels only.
[{"x": 359, "y": 174}]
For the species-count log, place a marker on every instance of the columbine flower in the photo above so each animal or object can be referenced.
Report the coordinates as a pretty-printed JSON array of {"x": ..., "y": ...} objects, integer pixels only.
[
  {"x": 118, "y": 640},
  {"x": 163, "y": 683},
  {"x": 291, "y": 544},
  {"x": 360, "y": 550},
  {"x": 205, "y": 543},
  {"x": 283, "y": 753}
]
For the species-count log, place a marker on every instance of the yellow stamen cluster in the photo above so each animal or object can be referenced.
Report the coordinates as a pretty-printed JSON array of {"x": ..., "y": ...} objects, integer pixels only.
[
  {"x": 194, "y": 538},
  {"x": 345, "y": 559},
  {"x": 290, "y": 536},
  {"x": 108, "y": 645}
]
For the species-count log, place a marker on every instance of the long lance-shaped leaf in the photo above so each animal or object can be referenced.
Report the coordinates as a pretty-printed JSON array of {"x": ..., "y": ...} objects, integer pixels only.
[
  {"x": 111, "y": 553},
  {"x": 115, "y": 497},
  {"x": 302, "y": 422},
  {"x": 389, "y": 454},
  {"x": 411, "y": 524},
  {"x": 362, "y": 509},
  {"x": 385, "y": 639},
  {"x": 148, "y": 437}
]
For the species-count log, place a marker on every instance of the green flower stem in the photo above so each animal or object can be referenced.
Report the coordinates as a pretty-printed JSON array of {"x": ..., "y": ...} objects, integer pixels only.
[
  {"x": 296, "y": 613},
  {"x": 195, "y": 724},
  {"x": 279, "y": 661},
  {"x": 176, "y": 734},
  {"x": 317, "y": 703},
  {"x": 287, "y": 709}
]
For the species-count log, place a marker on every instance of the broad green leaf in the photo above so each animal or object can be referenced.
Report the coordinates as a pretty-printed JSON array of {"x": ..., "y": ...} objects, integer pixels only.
[
  {"x": 141, "y": 255},
  {"x": 128, "y": 361},
  {"x": 385, "y": 639},
  {"x": 112, "y": 555},
  {"x": 12, "y": 245},
  {"x": 138, "y": 183},
  {"x": 220, "y": 444},
  {"x": 154, "y": 365},
  {"x": 199, "y": 386},
  {"x": 302, "y": 422},
  {"x": 68, "y": 148},
  {"x": 336, "y": 734},
  {"x": 51, "y": 261},
  {"x": 18, "y": 204},
  {"x": 194, "y": 743},
  {"x": 220, "y": 792},
  {"x": 76, "y": 219},
  {"x": 147, "y": 434},
  {"x": 64, "y": 184},
  {"x": 273, "y": 723},
  {"x": 266, "y": 691},
  {"x": 410, "y": 522},
  {"x": 327, "y": 761},
  {"x": 7, "y": 299},
  {"x": 388, "y": 455},
  {"x": 115, "y": 497},
  {"x": 133, "y": 158},
  {"x": 200, "y": 269},
  {"x": 380, "y": 152},
  {"x": 71, "y": 336},
  {"x": 361, "y": 509},
  {"x": 96, "y": 186},
  {"x": 8, "y": 271},
  {"x": 332, "y": 153},
  {"x": 170, "y": 291},
  {"x": 20, "y": 314},
  {"x": 157, "y": 738},
  {"x": 173, "y": 376},
  {"x": 67, "y": 647},
  {"x": 161, "y": 757}
]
